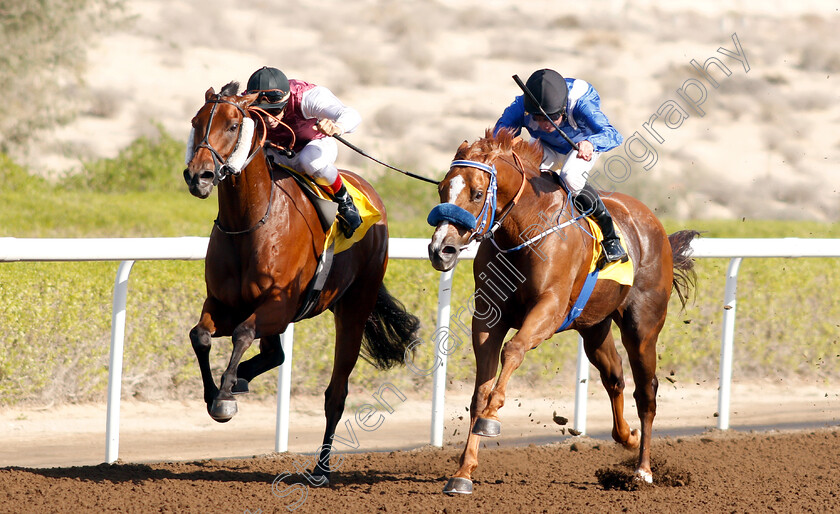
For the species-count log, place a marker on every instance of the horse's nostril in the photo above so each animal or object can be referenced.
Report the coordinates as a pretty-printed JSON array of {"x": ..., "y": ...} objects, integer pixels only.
[
  {"x": 207, "y": 175},
  {"x": 187, "y": 176},
  {"x": 448, "y": 249}
]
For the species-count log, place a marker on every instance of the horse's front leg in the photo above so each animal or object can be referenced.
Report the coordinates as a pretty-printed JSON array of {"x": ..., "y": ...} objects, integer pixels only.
[
  {"x": 271, "y": 355},
  {"x": 486, "y": 345},
  {"x": 539, "y": 325},
  {"x": 200, "y": 337},
  {"x": 224, "y": 407}
]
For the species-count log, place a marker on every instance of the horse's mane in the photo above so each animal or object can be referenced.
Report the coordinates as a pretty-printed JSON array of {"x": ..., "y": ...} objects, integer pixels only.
[
  {"x": 230, "y": 89},
  {"x": 504, "y": 142}
]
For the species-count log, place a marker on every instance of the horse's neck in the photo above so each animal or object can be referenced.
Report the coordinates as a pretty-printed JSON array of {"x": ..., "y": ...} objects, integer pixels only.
[{"x": 243, "y": 198}]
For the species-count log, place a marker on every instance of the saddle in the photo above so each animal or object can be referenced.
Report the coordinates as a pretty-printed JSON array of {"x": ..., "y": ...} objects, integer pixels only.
[{"x": 335, "y": 241}]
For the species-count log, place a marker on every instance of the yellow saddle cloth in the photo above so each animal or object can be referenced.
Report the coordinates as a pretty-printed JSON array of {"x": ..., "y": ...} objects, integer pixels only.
[
  {"x": 369, "y": 213},
  {"x": 621, "y": 272}
]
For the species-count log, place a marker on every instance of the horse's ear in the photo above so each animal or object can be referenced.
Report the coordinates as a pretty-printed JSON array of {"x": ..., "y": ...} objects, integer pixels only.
[
  {"x": 462, "y": 150},
  {"x": 245, "y": 101},
  {"x": 209, "y": 94}
]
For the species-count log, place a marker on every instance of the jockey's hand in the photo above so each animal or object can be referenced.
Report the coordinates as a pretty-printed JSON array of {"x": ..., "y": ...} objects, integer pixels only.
[
  {"x": 329, "y": 127},
  {"x": 585, "y": 149}
]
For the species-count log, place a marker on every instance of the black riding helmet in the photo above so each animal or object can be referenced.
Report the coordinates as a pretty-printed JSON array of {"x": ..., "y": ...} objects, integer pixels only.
[
  {"x": 550, "y": 90},
  {"x": 273, "y": 87}
]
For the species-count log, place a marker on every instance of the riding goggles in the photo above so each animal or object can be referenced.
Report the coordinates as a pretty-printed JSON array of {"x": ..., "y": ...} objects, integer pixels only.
[
  {"x": 271, "y": 98},
  {"x": 539, "y": 117}
]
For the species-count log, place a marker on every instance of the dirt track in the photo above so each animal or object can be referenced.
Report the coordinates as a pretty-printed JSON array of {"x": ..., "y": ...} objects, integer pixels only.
[{"x": 713, "y": 472}]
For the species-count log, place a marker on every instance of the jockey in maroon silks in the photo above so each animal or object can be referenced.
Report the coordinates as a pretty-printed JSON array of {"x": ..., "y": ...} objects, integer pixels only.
[{"x": 302, "y": 117}]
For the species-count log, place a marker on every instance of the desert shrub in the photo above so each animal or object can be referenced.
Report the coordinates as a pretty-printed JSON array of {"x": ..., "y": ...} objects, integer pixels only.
[
  {"x": 147, "y": 164},
  {"x": 44, "y": 50}
]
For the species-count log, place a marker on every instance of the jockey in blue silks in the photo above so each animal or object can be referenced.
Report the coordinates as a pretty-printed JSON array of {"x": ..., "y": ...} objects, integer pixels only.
[{"x": 575, "y": 107}]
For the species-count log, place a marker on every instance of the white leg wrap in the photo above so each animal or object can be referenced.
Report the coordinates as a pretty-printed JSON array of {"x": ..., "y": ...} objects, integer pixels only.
[{"x": 644, "y": 476}]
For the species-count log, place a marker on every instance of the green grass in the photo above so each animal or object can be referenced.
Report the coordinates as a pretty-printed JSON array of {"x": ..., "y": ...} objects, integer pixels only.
[{"x": 56, "y": 317}]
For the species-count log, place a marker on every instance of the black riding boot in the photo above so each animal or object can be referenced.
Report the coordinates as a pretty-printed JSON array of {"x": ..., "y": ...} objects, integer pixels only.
[
  {"x": 588, "y": 200},
  {"x": 348, "y": 215}
]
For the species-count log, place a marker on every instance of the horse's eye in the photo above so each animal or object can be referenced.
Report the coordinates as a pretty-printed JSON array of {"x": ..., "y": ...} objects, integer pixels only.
[
  {"x": 478, "y": 195},
  {"x": 233, "y": 127}
]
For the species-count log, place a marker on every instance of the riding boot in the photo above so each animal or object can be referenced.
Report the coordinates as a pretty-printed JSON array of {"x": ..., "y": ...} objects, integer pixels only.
[
  {"x": 589, "y": 201},
  {"x": 348, "y": 214}
]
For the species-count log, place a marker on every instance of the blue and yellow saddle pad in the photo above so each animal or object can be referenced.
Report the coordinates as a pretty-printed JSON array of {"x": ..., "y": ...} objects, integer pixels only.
[
  {"x": 369, "y": 213},
  {"x": 621, "y": 272}
]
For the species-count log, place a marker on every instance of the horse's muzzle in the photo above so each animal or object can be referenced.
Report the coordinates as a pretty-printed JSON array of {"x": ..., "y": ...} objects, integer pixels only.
[
  {"x": 443, "y": 257},
  {"x": 201, "y": 183}
]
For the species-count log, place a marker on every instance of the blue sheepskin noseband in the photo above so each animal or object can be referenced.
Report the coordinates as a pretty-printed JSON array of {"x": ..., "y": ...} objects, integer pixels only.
[{"x": 453, "y": 214}]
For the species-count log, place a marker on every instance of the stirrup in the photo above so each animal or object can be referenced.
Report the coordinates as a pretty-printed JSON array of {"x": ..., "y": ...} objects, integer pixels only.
[
  {"x": 348, "y": 216},
  {"x": 613, "y": 251}
]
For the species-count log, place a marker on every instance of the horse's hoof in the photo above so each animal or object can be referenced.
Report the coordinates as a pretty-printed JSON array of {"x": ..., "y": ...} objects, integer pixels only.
[
  {"x": 643, "y": 476},
  {"x": 319, "y": 477},
  {"x": 487, "y": 427},
  {"x": 240, "y": 387},
  {"x": 634, "y": 440},
  {"x": 458, "y": 485},
  {"x": 223, "y": 410}
]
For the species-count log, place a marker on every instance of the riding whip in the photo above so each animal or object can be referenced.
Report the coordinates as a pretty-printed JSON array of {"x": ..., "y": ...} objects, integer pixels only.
[
  {"x": 362, "y": 152},
  {"x": 537, "y": 103}
]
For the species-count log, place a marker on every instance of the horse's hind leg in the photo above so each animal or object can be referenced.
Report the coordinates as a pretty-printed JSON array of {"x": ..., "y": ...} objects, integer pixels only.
[
  {"x": 639, "y": 333},
  {"x": 351, "y": 313},
  {"x": 600, "y": 349},
  {"x": 271, "y": 355}
]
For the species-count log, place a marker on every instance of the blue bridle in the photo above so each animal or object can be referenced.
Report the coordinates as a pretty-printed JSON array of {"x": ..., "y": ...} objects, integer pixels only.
[{"x": 461, "y": 217}]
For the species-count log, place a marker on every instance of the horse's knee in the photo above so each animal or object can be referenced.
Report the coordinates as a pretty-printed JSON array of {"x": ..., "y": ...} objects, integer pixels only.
[
  {"x": 613, "y": 383},
  {"x": 243, "y": 333},
  {"x": 200, "y": 339},
  {"x": 272, "y": 349},
  {"x": 513, "y": 353},
  {"x": 646, "y": 396}
]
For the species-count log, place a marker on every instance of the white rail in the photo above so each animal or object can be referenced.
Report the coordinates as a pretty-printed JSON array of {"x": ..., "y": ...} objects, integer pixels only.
[{"x": 128, "y": 250}]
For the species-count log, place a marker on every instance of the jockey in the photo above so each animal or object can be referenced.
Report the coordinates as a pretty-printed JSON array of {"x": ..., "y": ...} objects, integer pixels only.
[
  {"x": 301, "y": 117},
  {"x": 575, "y": 107}
]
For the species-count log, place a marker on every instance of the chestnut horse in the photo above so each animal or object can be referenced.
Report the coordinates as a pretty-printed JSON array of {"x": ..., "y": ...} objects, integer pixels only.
[
  {"x": 500, "y": 177},
  {"x": 262, "y": 256}
]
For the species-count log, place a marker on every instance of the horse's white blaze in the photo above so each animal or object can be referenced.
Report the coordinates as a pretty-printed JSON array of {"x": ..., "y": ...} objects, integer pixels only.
[
  {"x": 440, "y": 234},
  {"x": 456, "y": 185}
]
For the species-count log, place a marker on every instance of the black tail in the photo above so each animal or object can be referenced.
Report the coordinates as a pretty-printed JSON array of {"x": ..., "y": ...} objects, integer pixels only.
[
  {"x": 389, "y": 330},
  {"x": 685, "y": 278}
]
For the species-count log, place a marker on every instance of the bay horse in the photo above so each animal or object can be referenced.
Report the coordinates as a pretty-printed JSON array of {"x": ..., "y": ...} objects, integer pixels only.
[
  {"x": 493, "y": 192},
  {"x": 262, "y": 255}
]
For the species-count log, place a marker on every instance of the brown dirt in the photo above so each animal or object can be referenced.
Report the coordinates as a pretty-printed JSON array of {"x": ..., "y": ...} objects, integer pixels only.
[
  {"x": 714, "y": 472},
  {"x": 167, "y": 450}
]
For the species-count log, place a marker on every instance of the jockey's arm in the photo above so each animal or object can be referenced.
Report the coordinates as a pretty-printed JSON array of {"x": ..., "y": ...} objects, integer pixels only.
[
  {"x": 320, "y": 103},
  {"x": 604, "y": 136}
]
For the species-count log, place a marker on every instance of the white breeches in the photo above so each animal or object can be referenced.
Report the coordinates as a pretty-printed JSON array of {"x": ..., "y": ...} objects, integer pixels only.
[
  {"x": 570, "y": 168},
  {"x": 316, "y": 159}
]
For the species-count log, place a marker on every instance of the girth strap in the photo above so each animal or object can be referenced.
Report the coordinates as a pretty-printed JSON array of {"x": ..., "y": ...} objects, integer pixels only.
[{"x": 316, "y": 285}]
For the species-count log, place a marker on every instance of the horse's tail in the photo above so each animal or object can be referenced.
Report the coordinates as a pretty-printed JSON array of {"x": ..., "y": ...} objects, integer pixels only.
[
  {"x": 685, "y": 278},
  {"x": 389, "y": 330}
]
